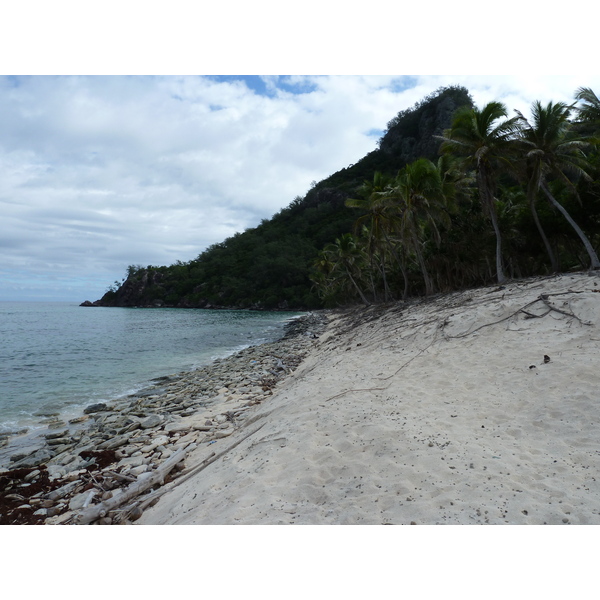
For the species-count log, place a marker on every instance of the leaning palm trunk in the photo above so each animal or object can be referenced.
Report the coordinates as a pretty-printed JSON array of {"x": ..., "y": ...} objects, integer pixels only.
[
  {"x": 362, "y": 296},
  {"x": 542, "y": 233},
  {"x": 533, "y": 187},
  {"x": 586, "y": 242}
]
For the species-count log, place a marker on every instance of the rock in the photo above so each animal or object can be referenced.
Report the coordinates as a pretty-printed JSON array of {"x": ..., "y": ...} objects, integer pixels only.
[
  {"x": 177, "y": 427},
  {"x": 138, "y": 470},
  {"x": 56, "y": 434},
  {"x": 21, "y": 454},
  {"x": 151, "y": 421},
  {"x": 59, "y": 441},
  {"x": 33, "y": 460},
  {"x": 55, "y": 472},
  {"x": 94, "y": 408},
  {"x": 7, "y": 434},
  {"x": 155, "y": 444},
  {"x": 131, "y": 462},
  {"x": 135, "y": 513},
  {"x": 114, "y": 442},
  {"x": 31, "y": 476},
  {"x": 62, "y": 491},
  {"x": 221, "y": 434}
]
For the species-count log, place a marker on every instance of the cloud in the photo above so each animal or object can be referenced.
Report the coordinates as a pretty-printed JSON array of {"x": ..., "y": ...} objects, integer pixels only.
[{"x": 98, "y": 172}]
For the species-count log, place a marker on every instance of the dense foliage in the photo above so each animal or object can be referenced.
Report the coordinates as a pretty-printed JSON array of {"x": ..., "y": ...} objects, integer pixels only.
[
  {"x": 454, "y": 195},
  {"x": 478, "y": 215}
]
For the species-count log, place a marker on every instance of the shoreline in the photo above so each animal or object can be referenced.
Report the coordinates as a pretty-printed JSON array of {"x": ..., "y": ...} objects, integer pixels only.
[
  {"x": 30, "y": 429},
  {"x": 167, "y": 407},
  {"x": 474, "y": 407}
]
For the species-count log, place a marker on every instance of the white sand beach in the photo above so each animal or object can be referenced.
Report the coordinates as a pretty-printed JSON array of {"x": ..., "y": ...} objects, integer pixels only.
[{"x": 476, "y": 407}]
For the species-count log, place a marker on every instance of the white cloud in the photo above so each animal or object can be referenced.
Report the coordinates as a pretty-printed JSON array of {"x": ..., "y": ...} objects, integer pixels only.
[{"x": 97, "y": 173}]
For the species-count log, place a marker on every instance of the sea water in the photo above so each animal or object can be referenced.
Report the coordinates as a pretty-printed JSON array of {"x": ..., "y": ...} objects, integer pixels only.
[{"x": 58, "y": 357}]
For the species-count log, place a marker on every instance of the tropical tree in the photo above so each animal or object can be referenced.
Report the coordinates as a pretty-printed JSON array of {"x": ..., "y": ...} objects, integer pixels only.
[
  {"x": 551, "y": 149},
  {"x": 381, "y": 216},
  {"x": 418, "y": 192},
  {"x": 588, "y": 110},
  {"x": 484, "y": 138},
  {"x": 374, "y": 223},
  {"x": 346, "y": 257}
]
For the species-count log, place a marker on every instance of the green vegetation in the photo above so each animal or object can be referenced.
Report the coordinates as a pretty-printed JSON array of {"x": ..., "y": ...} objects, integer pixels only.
[{"x": 454, "y": 196}]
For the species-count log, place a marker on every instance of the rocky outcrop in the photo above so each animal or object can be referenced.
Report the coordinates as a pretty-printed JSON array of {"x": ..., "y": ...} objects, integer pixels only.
[{"x": 412, "y": 134}]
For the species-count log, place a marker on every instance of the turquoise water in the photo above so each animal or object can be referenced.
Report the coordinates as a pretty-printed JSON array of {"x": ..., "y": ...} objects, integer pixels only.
[{"x": 59, "y": 357}]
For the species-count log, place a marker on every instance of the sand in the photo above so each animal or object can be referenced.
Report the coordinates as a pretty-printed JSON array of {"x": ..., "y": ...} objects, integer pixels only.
[{"x": 476, "y": 407}]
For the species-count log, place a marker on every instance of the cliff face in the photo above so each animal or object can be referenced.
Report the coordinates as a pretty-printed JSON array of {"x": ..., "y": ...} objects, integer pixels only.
[
  {"x": 268, "y": 267},
  {"x": 142, "y": 288},
  {"x": 136, "y": 290},
  {"x": 412, "y": 134}
]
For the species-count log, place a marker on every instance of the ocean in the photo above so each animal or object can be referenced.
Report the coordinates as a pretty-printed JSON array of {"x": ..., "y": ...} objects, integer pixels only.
[{"x": 56, "y": 358}]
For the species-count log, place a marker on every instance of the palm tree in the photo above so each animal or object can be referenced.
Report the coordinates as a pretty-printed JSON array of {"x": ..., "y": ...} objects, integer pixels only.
[
  {"x": 589, "y": 110},
  {"x": 550, "y": 149},
  {"x": 380, "y": 215},
  {"x": 419, "y": 194},
  {"x": 486, "y": 144},
  {"x": 371, "y": 201},
  {"x": 346, "y": 256}
]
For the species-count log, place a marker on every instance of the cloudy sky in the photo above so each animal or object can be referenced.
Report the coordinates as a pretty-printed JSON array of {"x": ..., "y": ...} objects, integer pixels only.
[{"x": 101, "y": 171}]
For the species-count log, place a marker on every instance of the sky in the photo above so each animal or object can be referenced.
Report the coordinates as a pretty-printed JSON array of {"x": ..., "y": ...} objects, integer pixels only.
[{"x": 101, "y": 169}]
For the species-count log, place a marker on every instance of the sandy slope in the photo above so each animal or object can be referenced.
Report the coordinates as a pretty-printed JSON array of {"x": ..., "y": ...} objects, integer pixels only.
[{"x": 440, "y": 412}]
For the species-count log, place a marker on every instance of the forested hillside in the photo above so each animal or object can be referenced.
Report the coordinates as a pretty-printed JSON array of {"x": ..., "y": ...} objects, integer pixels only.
[{"x": 454, "y": 195}]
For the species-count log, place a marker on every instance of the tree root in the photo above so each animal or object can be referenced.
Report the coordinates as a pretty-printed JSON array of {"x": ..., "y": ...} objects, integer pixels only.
[{"x": 544, "y": 298}]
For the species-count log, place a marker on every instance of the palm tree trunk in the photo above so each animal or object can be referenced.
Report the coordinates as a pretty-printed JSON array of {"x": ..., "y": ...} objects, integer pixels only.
[
  {"x": 586, "y": 242},
  {"x": 489, "y": 201},
  {"x": 536, "y": 220},
  {"x": 499, "y": 270},
  {"x": 533, "y": 187},
  {"x": 400, "y": 264},
  {"x": 362, "y": 296},
  {"x": 386, "y": 290},
  {"x": 421, "y": 261},
  {"x": 373, "y": 288}
]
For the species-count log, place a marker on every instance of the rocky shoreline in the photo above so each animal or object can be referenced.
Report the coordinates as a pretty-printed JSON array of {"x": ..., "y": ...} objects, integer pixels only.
[{"x": 120, "y": 453}]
